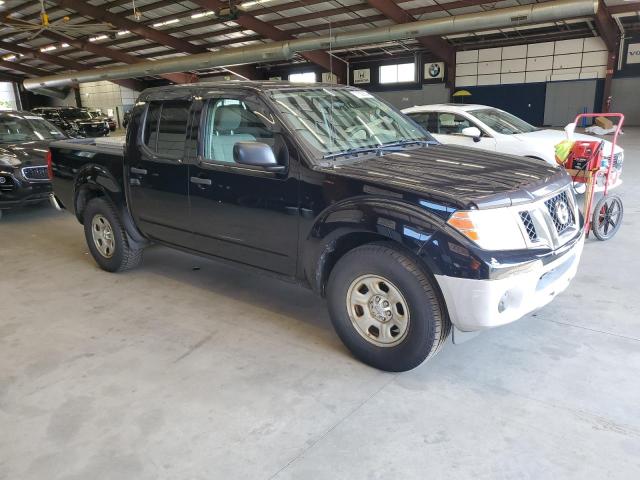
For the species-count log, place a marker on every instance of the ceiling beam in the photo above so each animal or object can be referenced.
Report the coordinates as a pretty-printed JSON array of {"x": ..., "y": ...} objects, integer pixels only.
[
  {"x": 21, "y": 67},
  {"x": 63, "y": 62},
  {"x": 607, "y": 28},
  {"x": 8, "y": 77},
  {"x": 435, "y": 44},
  {"x": 140, "y": 29},
  {"x": 248, "y": 21},
  {"x": 111, "y": 53}
]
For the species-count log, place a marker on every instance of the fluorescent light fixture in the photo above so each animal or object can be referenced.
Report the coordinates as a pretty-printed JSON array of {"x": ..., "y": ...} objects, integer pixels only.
[
  {"x": 8, "y": 58},
  {"x": 48, "y": 49},
  {"x": 99, "y": 37},
  {"x": 252, "y": 3},
  {"x": 168, "y": 22},
  {"x": 203, "y": 14},
  {"x": 124, "y": 32},
  {"x": 65, "y": 45}
]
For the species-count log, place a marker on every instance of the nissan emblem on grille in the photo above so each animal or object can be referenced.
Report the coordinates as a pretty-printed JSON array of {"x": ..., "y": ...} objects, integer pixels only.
[{"x": 562, "y": 212}]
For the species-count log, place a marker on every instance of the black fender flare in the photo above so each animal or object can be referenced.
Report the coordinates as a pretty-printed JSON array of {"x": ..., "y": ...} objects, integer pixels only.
[
  {"x": 96, "y": 180},
  {"x": 364, "y": 219}
]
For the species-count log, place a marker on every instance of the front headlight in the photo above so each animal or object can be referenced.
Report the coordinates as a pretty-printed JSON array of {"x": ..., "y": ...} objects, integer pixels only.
[{"x": 493, "y": 229}]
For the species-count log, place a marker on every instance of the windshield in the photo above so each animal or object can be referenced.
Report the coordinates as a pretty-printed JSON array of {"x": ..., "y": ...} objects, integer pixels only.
[
  {"x": 15, "y": 128},
  {"x": 502, "y": 122},
  {"x": 81, "y": 114},
  {"x": 335, "y": 120}
]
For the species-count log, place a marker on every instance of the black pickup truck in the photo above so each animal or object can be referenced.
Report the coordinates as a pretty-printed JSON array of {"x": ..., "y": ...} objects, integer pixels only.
[{"x": 331, "y": 187}]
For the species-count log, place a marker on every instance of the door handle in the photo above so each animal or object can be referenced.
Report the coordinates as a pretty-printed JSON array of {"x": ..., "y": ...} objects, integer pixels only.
[
  {"x": 138, "y": 171},
  {"x": 201, "y": 181}
]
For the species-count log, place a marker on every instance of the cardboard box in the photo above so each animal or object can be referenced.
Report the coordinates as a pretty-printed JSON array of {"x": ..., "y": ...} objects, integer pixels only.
[{"x": 604, "y": 122}]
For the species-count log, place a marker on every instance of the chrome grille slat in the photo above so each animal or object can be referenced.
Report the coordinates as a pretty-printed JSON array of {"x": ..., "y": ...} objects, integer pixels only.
[{"x": 527, "y": 221}]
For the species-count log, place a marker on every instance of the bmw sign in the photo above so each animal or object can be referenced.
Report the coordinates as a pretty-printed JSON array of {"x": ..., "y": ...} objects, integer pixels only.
[{"x": 434, "y": 71}]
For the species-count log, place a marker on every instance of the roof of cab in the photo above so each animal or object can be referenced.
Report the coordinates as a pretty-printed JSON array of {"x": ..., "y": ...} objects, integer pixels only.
[{"x": 187, "y": 88}]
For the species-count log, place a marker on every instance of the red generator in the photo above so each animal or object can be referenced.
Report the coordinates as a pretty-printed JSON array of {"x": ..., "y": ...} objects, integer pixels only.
[{"x": 585, "y": 155}]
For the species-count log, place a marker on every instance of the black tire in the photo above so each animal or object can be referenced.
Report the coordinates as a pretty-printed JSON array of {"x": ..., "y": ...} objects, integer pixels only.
[
  {"x": 607, "y": 217},
  {"x": 125, "y": 254},
  {"x": 428, "y": 323}
]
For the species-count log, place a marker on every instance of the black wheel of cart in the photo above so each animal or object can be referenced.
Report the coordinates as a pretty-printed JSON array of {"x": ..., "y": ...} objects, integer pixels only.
[{"x": 607, "y": 217}]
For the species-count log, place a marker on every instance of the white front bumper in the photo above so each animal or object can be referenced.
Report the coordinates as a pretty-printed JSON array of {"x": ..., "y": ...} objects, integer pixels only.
[{"x": 476, "y": 304}]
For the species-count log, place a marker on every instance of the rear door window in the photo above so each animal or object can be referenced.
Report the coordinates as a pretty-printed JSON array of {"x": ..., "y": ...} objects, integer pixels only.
[{"x": 166, "y": 128}]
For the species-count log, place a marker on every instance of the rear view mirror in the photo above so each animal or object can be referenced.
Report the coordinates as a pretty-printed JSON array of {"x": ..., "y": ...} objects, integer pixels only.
[
  {"x": 473, "y": 132},
  {"x": 256, "y": 154}
]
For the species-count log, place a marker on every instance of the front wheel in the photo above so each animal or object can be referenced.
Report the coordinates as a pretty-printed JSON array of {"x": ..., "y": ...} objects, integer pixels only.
[
  {"x": 607, "y": 217},
  {"x": 108, "y": 241},
  {"x": 385, "y": 308}
]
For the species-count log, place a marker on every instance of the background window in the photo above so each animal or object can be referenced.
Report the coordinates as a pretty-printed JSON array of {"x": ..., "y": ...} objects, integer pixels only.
[
  {"x": 398, "y": 73},
  {"x": 304, "y": 77}
]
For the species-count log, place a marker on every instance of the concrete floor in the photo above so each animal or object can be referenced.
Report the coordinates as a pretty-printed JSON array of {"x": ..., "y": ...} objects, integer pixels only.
[{"x": 172, "y": 372}]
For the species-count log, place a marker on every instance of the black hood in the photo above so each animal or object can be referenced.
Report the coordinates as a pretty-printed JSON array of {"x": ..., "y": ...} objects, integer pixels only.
[
  {"x": 465, "y": 176},
  {"x": 29, "y": 154}
]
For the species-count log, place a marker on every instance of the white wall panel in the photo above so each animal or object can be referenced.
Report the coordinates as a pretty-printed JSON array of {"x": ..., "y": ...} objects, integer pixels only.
[
  {"x": 512, "y": 77},
  {"x": 539, "y": 63},
  {"x": 591, "y": 59},
  {"x": 489, "y": 79},
  {"x": 565, "y": 74},
  {"x": 569, "y": 46},
  {"x": 540, "y": 49},
  {"x": 593, "y": 44},
  {"x": 517, "y": 65},
  {"x": 467, "y": 56},
  {"x": 538, "y": 76},
  {"x": 489, "y": 54},
  {"x": 485, "y": 68},
  {"x": 567, "y": 61},
  {"x": 517, "y": 51},
  {"x": 600, "y": 70},
  {"x": 465, "y": 69},
  {"x": 470, "y": 81}
]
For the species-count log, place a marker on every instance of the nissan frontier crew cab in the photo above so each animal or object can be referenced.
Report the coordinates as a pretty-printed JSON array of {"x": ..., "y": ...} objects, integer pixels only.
[{"x": 331, "y": 187}]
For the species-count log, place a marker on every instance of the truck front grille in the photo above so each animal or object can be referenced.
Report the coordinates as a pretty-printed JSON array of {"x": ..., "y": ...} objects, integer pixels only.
[
  {"x": 550, "y": 222},
  {"x": 561, "y": 212},
  {"x": 36, "y": 173}
]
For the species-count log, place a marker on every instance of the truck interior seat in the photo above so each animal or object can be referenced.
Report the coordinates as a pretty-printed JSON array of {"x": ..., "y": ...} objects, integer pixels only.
[{"x": 227, "y": 131}]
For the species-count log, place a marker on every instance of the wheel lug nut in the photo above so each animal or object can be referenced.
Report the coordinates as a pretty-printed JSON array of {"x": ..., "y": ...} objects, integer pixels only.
[{"x": 385, "y": 304}]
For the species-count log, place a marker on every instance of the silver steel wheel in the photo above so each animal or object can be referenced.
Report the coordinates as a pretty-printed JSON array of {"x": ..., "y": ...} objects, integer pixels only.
[
  {"x": 102, "y": 234},
  {"x": 378, "y": 310}
]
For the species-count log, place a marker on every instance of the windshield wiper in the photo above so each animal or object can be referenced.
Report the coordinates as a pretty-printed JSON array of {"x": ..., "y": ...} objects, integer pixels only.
[{"x": 378, "y": 149}]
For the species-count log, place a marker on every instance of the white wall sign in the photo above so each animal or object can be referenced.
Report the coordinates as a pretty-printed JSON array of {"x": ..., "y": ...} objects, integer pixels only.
[
  {"x": 633, "y": 53},
  {"x": 433, "y": 71},
  {"x": 328, "y": 77},
  {"x": 362, "y": 76}
]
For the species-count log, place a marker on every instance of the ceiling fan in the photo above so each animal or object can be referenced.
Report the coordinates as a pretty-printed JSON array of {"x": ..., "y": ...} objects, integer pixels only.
[{"x": 61, "y": 25}]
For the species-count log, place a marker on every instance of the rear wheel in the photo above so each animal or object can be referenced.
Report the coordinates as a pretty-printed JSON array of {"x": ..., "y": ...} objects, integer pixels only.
[
  {"x": 385, "y": 308},
  {"x": 607, "y": 217},
  {"x": 108, "y": 241}
]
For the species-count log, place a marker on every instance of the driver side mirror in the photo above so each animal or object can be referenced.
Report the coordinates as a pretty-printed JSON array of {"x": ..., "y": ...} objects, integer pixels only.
[
  {"x": 473, "y": 132},
  {"x": 256, "y": 154}
]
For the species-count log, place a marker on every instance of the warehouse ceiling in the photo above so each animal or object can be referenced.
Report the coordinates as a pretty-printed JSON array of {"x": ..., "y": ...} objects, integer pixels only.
[{"x": 100, "y": 33}]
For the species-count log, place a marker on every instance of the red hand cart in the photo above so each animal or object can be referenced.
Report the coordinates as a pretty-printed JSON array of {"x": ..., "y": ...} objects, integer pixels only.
[{"x": 606, "y": 217}]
